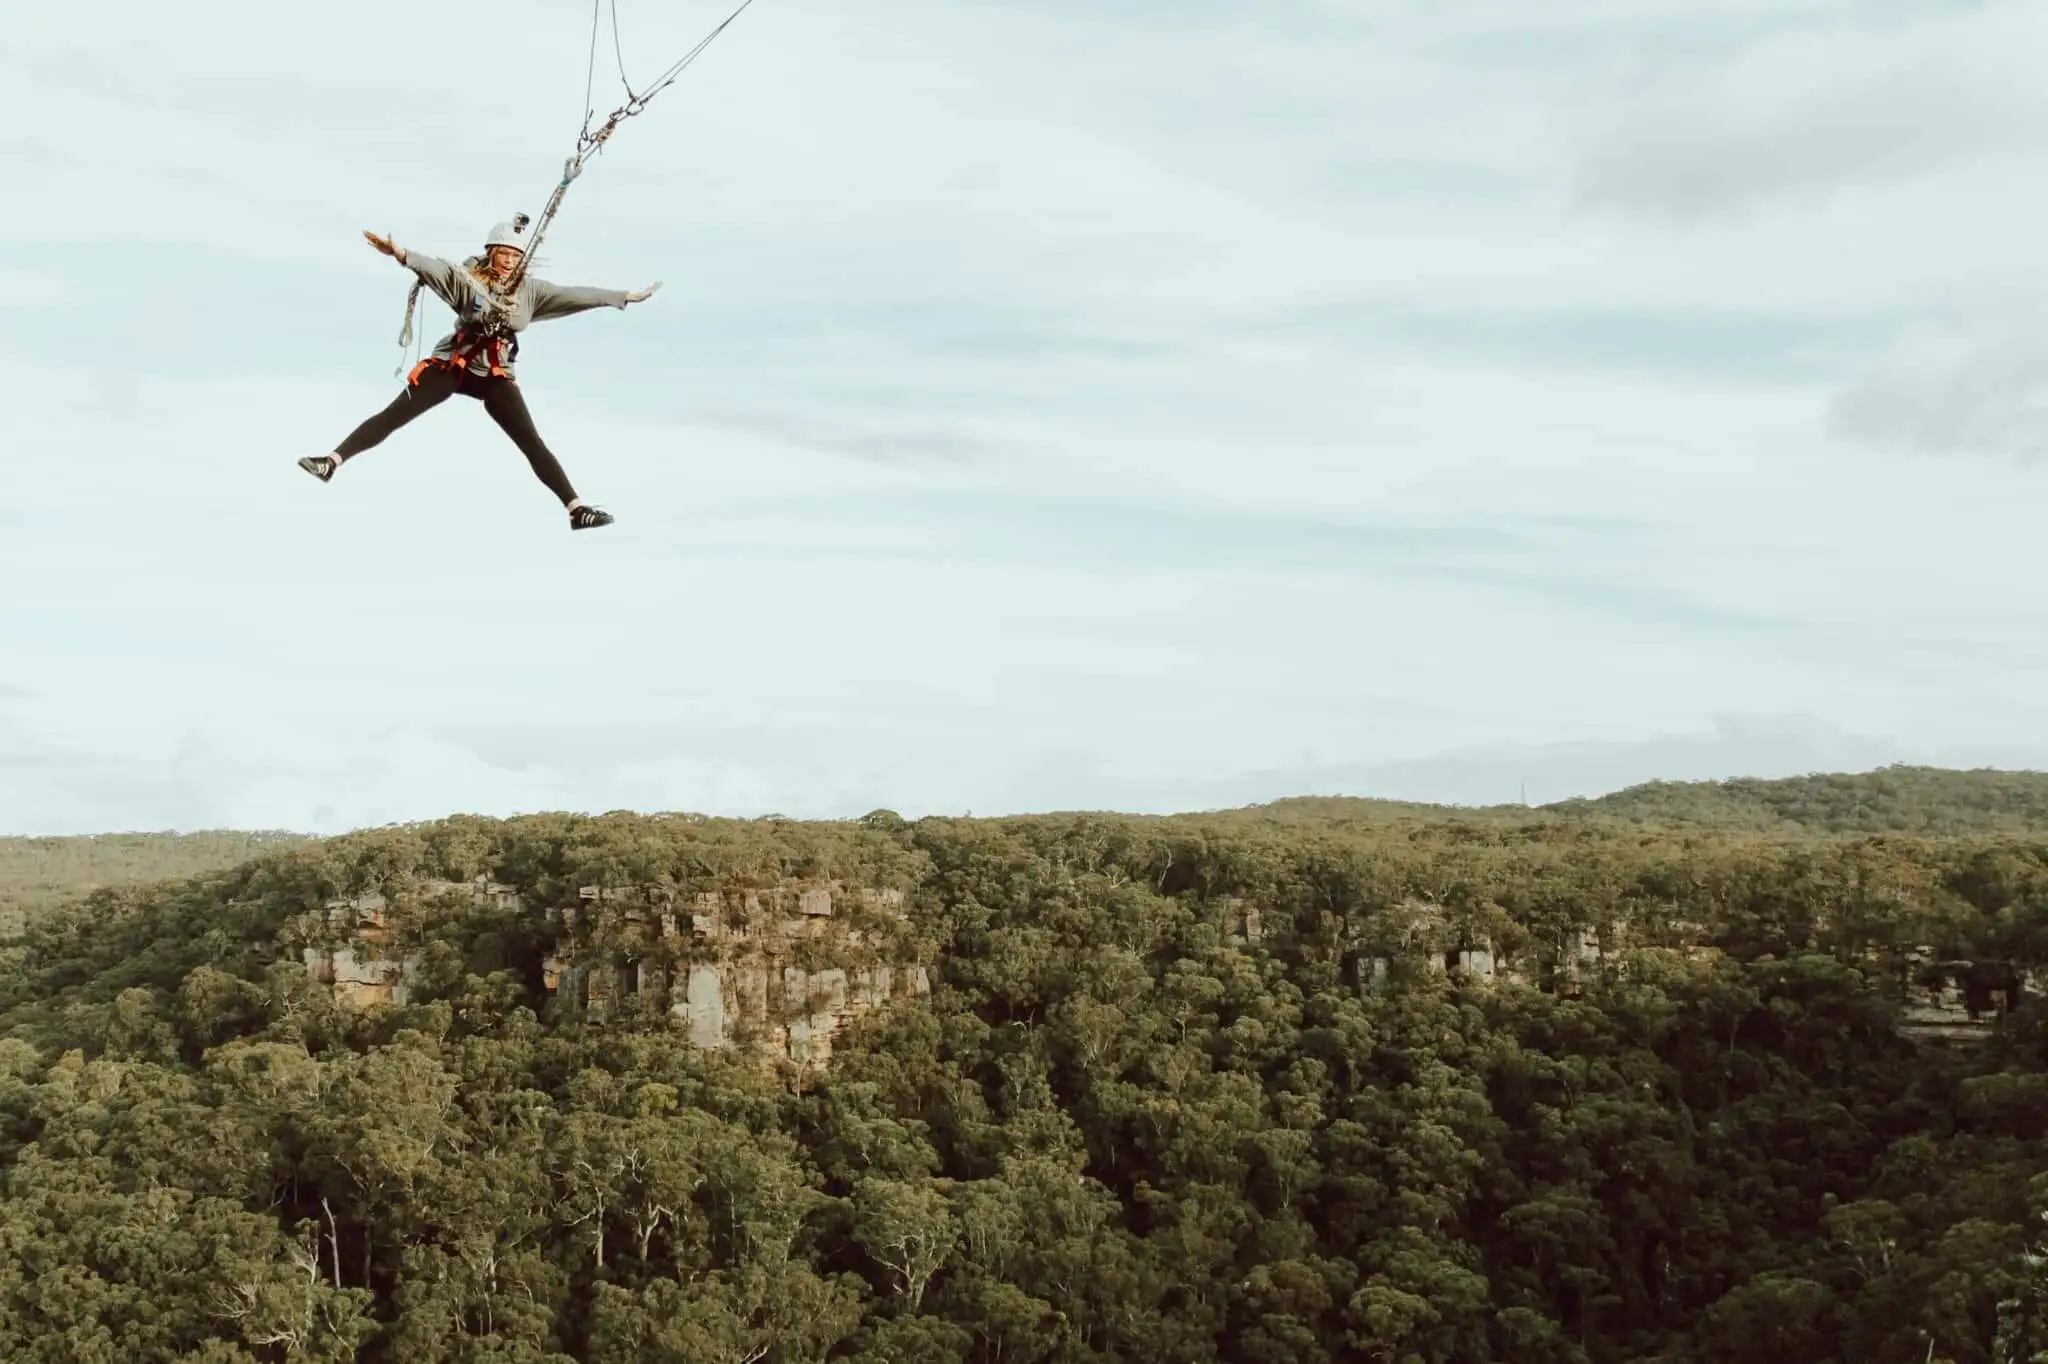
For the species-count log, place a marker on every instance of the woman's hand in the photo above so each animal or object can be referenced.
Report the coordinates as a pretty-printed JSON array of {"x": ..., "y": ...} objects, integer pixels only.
[
  {"x": 383, "y": 244},
  {"x": 641, "y": 296}
]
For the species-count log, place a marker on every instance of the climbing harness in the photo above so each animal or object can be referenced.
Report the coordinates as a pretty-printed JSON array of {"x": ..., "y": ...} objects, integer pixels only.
[
  {"x": 589, "y": 143},
  {"x": 496, "y": 351},
  {"x": 492, "y": 342}
]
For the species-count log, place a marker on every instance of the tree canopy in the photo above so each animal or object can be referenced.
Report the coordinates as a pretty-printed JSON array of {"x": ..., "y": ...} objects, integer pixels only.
[
  {"x": 1928, "y": 801},
  {"x": 37, "y": 873},
  {"x": 1227, "y": 1087}
]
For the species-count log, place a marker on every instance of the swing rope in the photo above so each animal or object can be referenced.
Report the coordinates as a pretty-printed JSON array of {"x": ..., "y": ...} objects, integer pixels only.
[{"x": 589, "y": 143}]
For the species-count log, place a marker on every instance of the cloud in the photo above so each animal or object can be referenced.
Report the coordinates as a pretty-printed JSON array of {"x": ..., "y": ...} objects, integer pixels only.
[
  {"x": 1243, "y": 401},
  {"x": 262, "y": 775},
  {"x": 221, "y": 780},
  {"x": 1954, "y": 391},
  {"x": 1015, "y": 529},
  {"x": 1592, "y": 39},
  {"x": 1753, "y": 745},
  {"x": 1708, "y": 346},
  {"x": 1749, "y": 745},
  {"x": 913, "y": 446},
  {"x": 843, "y": 780},
  {"x": 53, "y": 788},
  {"x": 1821, "y": 108}
]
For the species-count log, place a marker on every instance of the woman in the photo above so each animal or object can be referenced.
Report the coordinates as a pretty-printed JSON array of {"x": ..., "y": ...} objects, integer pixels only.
[{"x": 475, "y": 359}]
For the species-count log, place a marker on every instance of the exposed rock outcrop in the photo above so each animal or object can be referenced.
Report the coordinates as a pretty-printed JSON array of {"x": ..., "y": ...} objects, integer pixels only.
[{"x": 780, "y": 970}]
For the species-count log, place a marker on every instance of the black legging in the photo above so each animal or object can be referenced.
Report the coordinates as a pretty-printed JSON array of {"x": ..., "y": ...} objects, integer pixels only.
[{"x": 501, "y": 398}]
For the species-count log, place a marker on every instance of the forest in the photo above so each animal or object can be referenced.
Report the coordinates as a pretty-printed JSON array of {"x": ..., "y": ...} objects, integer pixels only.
[
  {"x": 36, "y": 873},
  {"x": 1930, "y": 801},
  {"x": 1226, "y": 1087}
]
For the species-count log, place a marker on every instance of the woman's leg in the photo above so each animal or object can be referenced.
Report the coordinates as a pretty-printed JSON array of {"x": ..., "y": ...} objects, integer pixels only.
[
  {"x": 507, "y": 406},
  {"x": 434, "y": 386}
]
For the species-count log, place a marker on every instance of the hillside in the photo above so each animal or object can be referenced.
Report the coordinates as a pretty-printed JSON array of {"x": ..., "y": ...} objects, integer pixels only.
[
  {"x": 36, "y": 873},
  {"x": 1569, "y": 1092},
  {"x": 1924, "y": 801},
  {"x": 1372, "y": 810}
]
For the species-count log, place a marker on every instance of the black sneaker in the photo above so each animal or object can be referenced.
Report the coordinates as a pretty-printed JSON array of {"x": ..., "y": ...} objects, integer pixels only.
[
  {"x": 584, "y": 518},
  {"x": 321, "y": 467}
]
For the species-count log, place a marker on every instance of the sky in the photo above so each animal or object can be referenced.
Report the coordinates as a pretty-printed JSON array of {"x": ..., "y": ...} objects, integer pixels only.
[{"x": 1047, "y": 406}]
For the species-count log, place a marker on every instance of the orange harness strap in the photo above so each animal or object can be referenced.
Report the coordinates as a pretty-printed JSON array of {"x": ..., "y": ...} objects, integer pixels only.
[{"x": 466, "y": 348}]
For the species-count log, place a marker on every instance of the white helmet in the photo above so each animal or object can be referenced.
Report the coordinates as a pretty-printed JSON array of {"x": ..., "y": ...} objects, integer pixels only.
[{"x": 508, "y": 234}]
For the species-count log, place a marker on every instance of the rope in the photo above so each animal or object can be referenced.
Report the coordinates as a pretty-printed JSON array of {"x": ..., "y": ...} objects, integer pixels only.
[
  {"x": 667, "y": 77},
  {"x": 618, "y": 51},
  {"x": 590, "y": 68},
  {"x": 589, "y": 143},
  {"x": 412, "y": 303}
]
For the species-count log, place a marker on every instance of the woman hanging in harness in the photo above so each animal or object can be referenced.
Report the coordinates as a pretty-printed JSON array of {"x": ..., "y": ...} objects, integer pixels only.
[{"x": 476, "y": 358}]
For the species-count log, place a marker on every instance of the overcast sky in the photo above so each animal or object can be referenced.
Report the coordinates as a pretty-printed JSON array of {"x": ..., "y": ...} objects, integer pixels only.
[{"x": 1048, "y": 405}]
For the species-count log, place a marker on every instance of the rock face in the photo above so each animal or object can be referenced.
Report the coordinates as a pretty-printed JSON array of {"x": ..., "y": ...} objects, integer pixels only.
[
  {"x": 358, "y": 970},
  {"x": 1946, "y": 1001},
  {"x": 1959, "y": 1001},
  {"x": 1415, "y": 940},
  {"x": 1475, "y": 962},
  {"x": 778, "y": 970}
]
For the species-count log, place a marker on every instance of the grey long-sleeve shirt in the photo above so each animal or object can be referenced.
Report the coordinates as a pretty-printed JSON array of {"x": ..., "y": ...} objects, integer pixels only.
[{"x": 536, "y": 301}]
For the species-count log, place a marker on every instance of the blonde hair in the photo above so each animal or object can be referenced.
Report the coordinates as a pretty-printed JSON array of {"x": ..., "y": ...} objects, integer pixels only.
[{"x": 479, "y": 266}]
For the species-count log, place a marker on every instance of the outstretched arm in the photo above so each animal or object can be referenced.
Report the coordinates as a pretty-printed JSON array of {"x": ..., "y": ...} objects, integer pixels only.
[
  {"x": 449, "y": 281},
  {"x": 560, "y": 300}
]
